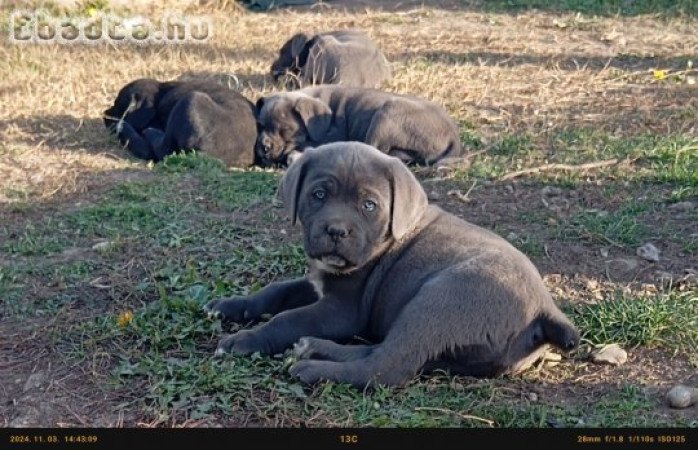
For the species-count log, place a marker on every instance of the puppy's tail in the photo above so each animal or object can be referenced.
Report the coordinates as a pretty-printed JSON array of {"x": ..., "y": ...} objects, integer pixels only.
[
  {"x": 559, "y": 330},
  {"x": 455, "y": 148},
  {"x": 451, "y": 156}
]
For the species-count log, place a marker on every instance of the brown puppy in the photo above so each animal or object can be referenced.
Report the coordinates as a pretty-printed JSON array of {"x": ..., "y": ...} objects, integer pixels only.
[
  {"x": 411, "y": 128},
  {"x": 431, "y": 290},
  {"x": 346, "y": 57}
]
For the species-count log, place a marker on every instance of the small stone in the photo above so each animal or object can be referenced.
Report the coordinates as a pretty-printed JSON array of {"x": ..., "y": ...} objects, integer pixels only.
[
  {"x": 533, "y": 397},
  {"x": 611, "y": 354},
  {"x": 648, "y": 252},
  {"x": 434, "y": 195},
  {"x": 604, "y": 252},
  {"x": 682, "y": 396},
  {"x": 103, "y": 246}
]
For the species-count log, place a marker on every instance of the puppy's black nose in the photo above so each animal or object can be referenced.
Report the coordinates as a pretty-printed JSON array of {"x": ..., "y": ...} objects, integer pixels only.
[{"x": 338, "y": 231}]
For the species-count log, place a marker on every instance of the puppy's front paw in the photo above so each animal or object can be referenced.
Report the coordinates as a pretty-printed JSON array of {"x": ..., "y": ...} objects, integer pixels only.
[
  {"x": 210, "y": 311},
  {"x": 243, "y": 342},
  {"x": 232, "y": 309},
  {"x": 308, "y": 371},
  {"x": 302, "y": 348}
]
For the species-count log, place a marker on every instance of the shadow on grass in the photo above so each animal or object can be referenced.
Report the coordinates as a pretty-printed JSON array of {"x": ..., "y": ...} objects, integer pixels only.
[
  {"x": 590, "y": 7},
  {"x": 237, "y": 81},
  {"x": 563, "y": 61},
  {"x": 61, "y": 132}
]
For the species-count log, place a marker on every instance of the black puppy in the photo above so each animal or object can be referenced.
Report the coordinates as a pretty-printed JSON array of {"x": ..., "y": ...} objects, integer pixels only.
[{"x": 155, "y": 119}]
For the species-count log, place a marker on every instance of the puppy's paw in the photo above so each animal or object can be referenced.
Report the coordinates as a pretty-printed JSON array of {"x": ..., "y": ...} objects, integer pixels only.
[
  {"x": 243, "y": 342},
  {"x": 233, "y": 309},
  {"x": 210, "y": 312},
  {"x": 293, "y": 157},
  {"x": 302, "y": 348},
  {"x": 308, "y": 371}
]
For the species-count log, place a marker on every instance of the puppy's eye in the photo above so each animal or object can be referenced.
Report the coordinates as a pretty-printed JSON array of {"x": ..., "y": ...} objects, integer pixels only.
[
  {"x": 319, "y": 194},
  {"x": 370, "y": 205}
]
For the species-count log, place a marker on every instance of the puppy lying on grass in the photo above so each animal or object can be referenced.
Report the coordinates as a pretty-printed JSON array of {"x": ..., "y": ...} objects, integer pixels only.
[
  {"x": 431, "y": 291},
  {"x": 346, "y": 57},
  {"x": 154, "y": 119},
  {"x": 411, "y": 128}
]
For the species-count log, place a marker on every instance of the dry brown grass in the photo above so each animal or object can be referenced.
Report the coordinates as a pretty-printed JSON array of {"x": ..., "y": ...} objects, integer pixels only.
[{"x": 529, "y": 72}]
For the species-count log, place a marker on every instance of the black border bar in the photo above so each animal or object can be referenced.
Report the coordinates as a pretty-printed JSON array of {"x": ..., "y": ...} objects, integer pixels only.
[{"x": 348, "y": 438}]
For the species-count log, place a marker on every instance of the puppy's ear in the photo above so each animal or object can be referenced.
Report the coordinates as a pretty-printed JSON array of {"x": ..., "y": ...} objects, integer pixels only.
[
  {"x": 291, "y": 185},
  {"x": 409, "y": 200},
  {"x": 316, "y": 116},
  {"x": 258, "y": 106},
  {"x": 298, "y": 41}
]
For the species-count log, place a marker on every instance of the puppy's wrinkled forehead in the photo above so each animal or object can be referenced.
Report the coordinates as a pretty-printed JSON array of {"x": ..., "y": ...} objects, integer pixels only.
[
  {"x": 352, "y": 165},
  {"x": 277, "y": 108}
]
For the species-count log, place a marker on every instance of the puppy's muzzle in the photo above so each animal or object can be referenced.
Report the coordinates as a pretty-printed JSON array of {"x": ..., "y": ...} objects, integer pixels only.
[
  {"x": 264, "y": 148},
  {"x": 338, "y": 231}
]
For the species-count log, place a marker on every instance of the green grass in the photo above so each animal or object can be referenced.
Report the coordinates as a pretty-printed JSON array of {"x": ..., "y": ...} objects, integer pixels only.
[
  {"x": 668, "y": 320},
  {"x": 168, "y": 345},
  {"x": 627, "y": 405},
  {"x": 179, "y": 227},
  {"x": 32, "y": 239},
  {"x": 620, "y": 227},
  {"x": 11, "y": 287},
  {"x": 671, "y": 159},
  {"x": 165, "y": 209},
  {"x": 230, "y": 189}
]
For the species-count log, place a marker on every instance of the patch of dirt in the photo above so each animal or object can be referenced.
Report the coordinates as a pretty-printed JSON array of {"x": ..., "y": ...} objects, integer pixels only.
[
  {"x": 655, "y": 371},
  {"x": 519, "y": 210}
]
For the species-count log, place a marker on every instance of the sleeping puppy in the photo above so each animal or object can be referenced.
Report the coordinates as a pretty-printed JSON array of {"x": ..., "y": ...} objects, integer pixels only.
[
  {"x": 430, "y": 290},
  {"x": 155, "y": 119},
  {"x": 346, "y": 57},
  {"x": 413, "y": 129}
]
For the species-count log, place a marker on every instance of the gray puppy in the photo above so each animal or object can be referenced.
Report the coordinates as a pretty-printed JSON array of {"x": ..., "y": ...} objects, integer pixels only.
[
  {"x": 346, "y": 57},
  {"x": 410, "y": 128},
  {"x": 431, "y": 290}
]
